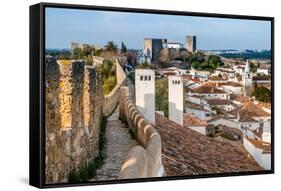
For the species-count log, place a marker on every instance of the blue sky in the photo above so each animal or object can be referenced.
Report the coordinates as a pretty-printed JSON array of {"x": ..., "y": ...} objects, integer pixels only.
[{"x": 98, "y": 27}]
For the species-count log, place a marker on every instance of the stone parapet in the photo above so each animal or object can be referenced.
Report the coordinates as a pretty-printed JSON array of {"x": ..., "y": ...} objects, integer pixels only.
[
  {"x": 112, "y": 99},
  {"x": 144, "y": 160}
]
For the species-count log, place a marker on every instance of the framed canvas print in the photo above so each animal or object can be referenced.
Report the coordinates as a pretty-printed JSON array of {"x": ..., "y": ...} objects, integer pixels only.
[{"x": 121, "y": 95}]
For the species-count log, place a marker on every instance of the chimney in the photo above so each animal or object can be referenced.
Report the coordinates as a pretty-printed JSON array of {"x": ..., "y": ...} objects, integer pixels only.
[{"x": 212, "y": 90}]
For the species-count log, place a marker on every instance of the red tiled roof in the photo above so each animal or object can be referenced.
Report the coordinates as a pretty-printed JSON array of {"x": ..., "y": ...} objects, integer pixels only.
[
  {"x": 231, "y": 84},
  {"x": 216, "y": 78},
  {"x": 239, "y": 98},
  {"x": 218, "y": 101},
  {"x": 250, "y": 109},
  {"x": 196, "y": 106},
  {"x": 260, "y": 78},
  {"x": 260, "y": 144},
  {"x": 205, "y": 89},
  {"x": 190, "y": 120},
  {"x": 187, "y": 152},
  {"x": 190, "y": 77}
]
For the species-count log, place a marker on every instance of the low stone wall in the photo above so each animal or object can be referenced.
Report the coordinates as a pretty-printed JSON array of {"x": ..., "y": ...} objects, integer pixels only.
[
  {"x": 97, "y": 60},
  {"x": 144, "y": 160},
  {"x": 112, "y": 99}
]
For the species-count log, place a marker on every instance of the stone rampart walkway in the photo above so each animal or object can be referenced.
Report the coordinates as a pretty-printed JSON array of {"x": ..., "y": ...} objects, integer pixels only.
[{"x": 119, "y": 142}]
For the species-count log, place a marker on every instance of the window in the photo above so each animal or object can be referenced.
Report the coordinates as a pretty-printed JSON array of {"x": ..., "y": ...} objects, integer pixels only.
[
  {"x": 178, "y": 82},
  {"x": 149, "y": 78},
  {"x": 145, "y": 78},
  {"x": 141, "y": 78},
  {"x": 207, "y": 114}
]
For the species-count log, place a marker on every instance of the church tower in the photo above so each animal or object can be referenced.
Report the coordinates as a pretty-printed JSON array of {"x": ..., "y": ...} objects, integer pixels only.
[{"x": 247, "y": 77}]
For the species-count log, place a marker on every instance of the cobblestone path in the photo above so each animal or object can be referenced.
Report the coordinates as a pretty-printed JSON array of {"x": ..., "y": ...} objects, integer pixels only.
[{"x": 118, "y": 144}]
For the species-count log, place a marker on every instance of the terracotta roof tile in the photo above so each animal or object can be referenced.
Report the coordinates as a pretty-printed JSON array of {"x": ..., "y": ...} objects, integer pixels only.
[
  {"x": 187, "y": 152},
  {"x": 250, "y": 109},
  {"x": 191, "y": 120},
  {"x": 216, "y": 78},
  {"x": 196, "y": 106},
  {"x": 205, "y": 89},
  {"x": 260, "y": 144},
  {"x": 218, "y": 101}
]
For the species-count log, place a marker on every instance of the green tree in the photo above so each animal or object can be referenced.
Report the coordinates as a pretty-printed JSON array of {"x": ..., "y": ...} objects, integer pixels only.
[
  {"x": 107, "y": 71},
  {"x": 77, "y": 54},
  {"x": 111, "y": 46},
  {"x": 214, "y": 62},
  {"x": 196, "y": 65},
  {"x": 262, "y": 94},
  {"x": 161, "y": 95},
  {"x": 123, "y": 48},
  {"x": 254, "y": 67},
  {"x": 144, "y": 66}
]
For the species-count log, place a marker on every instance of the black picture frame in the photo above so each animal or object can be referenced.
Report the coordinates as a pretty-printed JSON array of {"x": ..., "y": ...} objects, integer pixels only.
[{"x": 37, "y": 92}]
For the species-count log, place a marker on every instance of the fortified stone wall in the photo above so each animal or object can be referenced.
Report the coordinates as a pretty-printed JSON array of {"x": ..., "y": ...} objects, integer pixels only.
[
  {"x": 144, "y": 160},
  {"x": 75, "y": 105},
  {"x": 73, "y": 115}
]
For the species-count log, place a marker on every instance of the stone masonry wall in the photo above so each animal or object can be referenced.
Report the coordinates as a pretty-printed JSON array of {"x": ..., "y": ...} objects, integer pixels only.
[{"x": 73, "y": 114}]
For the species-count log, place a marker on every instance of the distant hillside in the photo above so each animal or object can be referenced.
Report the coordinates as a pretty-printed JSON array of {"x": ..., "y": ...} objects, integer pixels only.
[{"x": 248, "y": 54}]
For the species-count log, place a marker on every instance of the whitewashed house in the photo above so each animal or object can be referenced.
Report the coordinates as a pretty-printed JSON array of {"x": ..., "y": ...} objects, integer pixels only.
[
  {"x": 232, "y": 87},
  {"x": 260, "y": 151},
  {"x": 224, "y": 104},
  {"x": 264, "y": 69},
  {"x": 209, "y": 92},
  {"x": 199, "y": 111}
]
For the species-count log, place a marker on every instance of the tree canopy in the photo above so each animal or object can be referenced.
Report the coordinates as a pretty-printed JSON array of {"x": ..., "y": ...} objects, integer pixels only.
[
  {"x": 111, "y": 46},
  {"x": 202, "y": 62},
  {"x": 107, "y": 72},
  {"x": 161, "y": 95},
  {"x": 123, "y": 48},
  {"x": 262, "y": 94}
]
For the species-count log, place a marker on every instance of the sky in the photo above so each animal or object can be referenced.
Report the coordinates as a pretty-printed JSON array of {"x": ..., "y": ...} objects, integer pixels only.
[{"x": 64, "y": 26}]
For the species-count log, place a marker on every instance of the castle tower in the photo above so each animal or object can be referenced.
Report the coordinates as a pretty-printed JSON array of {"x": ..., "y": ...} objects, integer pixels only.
[
  {"x": 247, "y": 76},
  {"x": 176, "y": 99},
  {"x": 190, "y": 43},
  {"x": 145, "y": 93},
  {"x": 154, "y": 47}
]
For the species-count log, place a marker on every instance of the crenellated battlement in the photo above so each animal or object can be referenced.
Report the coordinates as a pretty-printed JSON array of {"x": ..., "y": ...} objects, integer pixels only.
[{"x": 143, "y": 160}]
